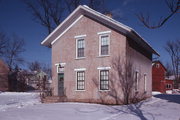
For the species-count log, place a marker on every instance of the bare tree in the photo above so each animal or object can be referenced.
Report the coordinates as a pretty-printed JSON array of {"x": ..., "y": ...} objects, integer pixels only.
[
  {"x": 122, "y": 83},
  {"x": 173, "y": 49},
  {"x": 13, "y": 52},
  {"x": 3, "y": 43},
  {"x": 47, "y": 69},
  {"x": 174, "y": 8},
  {"x": 47, "y": 12},
  {"x": 35, "y": 66},
  {"x": 72, "y": 4},
  {"x": 125, "y": 75},
  {"x": 50, "y": 13},
  {"x": 38, "y": 66},
  {"x": 169, "y": 71}
]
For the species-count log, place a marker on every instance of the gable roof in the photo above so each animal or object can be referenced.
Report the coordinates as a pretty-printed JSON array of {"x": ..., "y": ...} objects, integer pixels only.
[
  {"x": 157, "y": 61},
  {"x": 83, "y": 10}
]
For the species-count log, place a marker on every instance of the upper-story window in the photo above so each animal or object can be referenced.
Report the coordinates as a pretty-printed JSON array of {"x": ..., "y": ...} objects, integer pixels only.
[
  {"x": 157, "y": 65},
  {"x": 104, "y": 45},
  {"x": 80, "y": 48}
]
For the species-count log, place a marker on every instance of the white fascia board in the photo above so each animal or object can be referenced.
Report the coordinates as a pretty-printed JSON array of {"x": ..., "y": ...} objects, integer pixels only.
[
  {"x": 66, "y": 29},
  {"x": 104, "y": 32},
  {"x": 60, "y": 25},
  {"x": 80, "y": 69},
  {"x": 79, "y": 36},
  {"x": 104, "y": 68}
]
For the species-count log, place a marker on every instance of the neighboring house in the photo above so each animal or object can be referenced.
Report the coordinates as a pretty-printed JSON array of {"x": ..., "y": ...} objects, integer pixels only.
[
  {"x": 37, "y": 80},
  {"x": 3, "y": 76},
  {"x": 169, "y": 82},
  {"x": 159, "y": 80},
  {"x": 23, "y": 80},
  {"x": 83, "y": 47}
]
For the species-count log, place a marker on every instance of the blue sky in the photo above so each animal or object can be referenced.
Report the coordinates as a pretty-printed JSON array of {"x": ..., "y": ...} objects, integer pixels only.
[{"x": 16, "y": 19}]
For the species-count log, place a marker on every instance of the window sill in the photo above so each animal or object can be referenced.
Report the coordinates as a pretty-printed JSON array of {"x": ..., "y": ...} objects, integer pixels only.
[
  {"x": 104, "y": 90},
  {"x": 103, "y": 56},
  {"x": 80, "y": 90},
  {"x": 80, "y": 58}
]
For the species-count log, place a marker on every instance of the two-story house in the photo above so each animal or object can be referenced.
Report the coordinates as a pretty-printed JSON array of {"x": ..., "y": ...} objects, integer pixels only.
[{"x": 83, "y": 47}]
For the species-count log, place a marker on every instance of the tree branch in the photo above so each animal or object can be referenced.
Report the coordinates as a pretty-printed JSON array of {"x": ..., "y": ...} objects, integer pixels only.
[{"x": 174, "y": 7}]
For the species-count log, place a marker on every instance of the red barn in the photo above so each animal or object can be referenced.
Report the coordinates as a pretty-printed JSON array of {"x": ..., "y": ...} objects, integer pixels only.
[{"x": 159, "y": 81}]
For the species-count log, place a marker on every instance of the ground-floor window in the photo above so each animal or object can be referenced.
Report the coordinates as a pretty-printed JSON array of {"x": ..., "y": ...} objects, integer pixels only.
[
  {"x": 136, "y": 80},
  {"x": 168, "y": 86},
  {"x": 104, "y": 79},
  {"x": 80, "y": 80},
  {"x": 145, "y": 82}
]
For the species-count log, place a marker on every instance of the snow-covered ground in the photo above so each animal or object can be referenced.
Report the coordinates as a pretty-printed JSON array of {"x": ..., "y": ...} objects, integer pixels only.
[
  {"x": 9, "y": 100},
  {"x": 159, "y": 107}
]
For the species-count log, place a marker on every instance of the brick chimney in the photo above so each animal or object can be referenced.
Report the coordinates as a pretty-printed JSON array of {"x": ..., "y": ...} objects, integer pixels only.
[{"x": 109, "y": 14}]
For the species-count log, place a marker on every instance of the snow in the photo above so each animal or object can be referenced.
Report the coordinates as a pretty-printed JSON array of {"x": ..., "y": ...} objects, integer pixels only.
[
  {"x": 168, "y": 91},
  {"x": 156, "y": 93},
  {"x": 159, "y": 107},
  {"x": 17, "y": 100}
]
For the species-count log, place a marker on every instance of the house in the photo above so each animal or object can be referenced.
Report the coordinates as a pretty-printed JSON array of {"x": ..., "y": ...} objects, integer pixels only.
[
  {"x": 3, "y": 76},
  {"x": 38, "y": 80},
  {"x": 170, "y": 82},
  {"x": 32, "y": 80},
  {"x": 160, "y": 82},
  {"x": 83, "y": 47}
]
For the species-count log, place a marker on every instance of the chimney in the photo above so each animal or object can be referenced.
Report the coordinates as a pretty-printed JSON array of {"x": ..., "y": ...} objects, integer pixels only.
[{"x": 109, "y": 14}]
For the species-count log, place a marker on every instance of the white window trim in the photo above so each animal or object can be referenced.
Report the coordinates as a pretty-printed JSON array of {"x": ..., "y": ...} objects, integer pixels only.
[
  {"x": 104, "y": 32},
  {"x": 77, "y": 48},
  {"x": 80, "y": 69},
  {"x": 76, "y": 70},
  {"x": 100, "y": 35},
  {"x": 79, "y": 36},
  {"x": 102, "y": 68},
  {"x": 145, "y": 82},
  {"x": 59, "y": 64}
]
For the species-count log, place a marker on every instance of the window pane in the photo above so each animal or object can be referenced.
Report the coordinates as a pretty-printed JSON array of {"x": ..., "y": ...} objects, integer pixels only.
[
  {"x": 104, "y": 80},
  {"x": 104, "y": 50},
  {"x": 136, "y": 80},
  {"x": 104, "y": 45},
  {"x": 80, "y": 80},
  {"x": 80, "y": 48},
  {"x": 104, "y": 40}
]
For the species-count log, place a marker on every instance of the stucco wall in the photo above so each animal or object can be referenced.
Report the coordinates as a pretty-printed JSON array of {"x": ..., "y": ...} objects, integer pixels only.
[{"x": 143, "y": 65}]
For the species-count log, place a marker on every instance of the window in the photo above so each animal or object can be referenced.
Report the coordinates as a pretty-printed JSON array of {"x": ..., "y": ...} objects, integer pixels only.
[
  {"x": 80, "y": 48},
  {"x": 136, "y": 80},
  {"x": 104, "y": 79},
  {"x": 157, "y": 65},
  {"x": 145, "y": 82},
  {"x": 80, "y": 80},
  {"x": 168, "y": 86},
  {"x": 104, "y": 42}
]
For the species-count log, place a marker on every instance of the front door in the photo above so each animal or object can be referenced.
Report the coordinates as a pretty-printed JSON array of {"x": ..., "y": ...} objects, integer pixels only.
[{"x": 60, "y": 84}]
